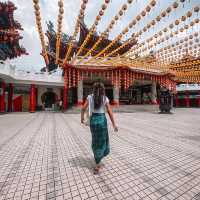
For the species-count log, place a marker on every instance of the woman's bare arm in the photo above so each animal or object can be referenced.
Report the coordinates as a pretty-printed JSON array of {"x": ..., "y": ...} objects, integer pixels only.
[
  {"x": 85, "y": 105},
  {"x": 110, "y": 113}
]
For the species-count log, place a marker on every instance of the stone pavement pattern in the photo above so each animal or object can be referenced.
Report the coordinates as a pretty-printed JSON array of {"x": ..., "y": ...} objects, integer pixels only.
[{"x": 48, "y": 156}]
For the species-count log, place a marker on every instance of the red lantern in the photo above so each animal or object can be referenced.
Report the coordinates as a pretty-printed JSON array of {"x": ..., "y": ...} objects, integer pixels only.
[{"x": 101, "y": 13}]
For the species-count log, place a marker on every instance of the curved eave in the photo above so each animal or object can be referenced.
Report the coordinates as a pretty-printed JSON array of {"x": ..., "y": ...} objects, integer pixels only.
[{"x": 104, "y": 67}]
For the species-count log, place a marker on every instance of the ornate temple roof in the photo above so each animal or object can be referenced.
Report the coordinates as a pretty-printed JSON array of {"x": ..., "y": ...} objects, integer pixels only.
[
  {"x": 9, "y": 35},
  {"x": 84, "y": 31}
]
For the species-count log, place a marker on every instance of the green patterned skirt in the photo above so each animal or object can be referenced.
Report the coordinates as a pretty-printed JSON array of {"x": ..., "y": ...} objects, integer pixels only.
[{"x": 100, "y": 139}]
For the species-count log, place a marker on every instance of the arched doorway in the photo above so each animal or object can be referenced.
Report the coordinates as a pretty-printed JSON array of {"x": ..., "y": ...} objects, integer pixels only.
[{"x": 48, "y": 99}]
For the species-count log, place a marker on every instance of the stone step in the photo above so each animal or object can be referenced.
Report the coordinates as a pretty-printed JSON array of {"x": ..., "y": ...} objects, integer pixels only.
[{"x": 122, "y": 109}]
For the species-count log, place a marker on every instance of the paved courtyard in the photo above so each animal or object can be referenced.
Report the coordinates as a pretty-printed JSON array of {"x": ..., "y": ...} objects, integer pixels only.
[{"x": 48, "y": 156}]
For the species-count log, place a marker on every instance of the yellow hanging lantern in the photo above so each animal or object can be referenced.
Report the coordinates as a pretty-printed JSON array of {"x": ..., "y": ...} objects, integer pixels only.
[
  {"x": 148, "y": 8},
  {"x": 153, "y": 3},
  {"x": 83, "y": 6},
  {"x": 191, "y": 23},
  {"x": 104, "y": 7},
  {"x": 165, "y": 30},
  {"x": 120, "y": 12},
  {"x": 144, "y": 29},
  {"x": 124, "y": 7},
  {"x": 175, "y": 5},
  {"x": 163, "y": 14},
  {"x": 177, "y": 22},
  {"x": 138, "y": 18},
  {"x": 186, "y": 26},
  {"x": 196, "y": 9},
  {"x": 116, "y": 17},
  {"x": 183, "y": 18},
  {"x": 148, "y": 26},
  {"x": 143, "y": 13},
  {"x": 98, "y": 18},
  {"x": 37, "y": 7},
  {"x": 171, "y": 26},
  {"x": 189, "y": 14},
  {"x": 153, "y": 22},
  {"x": 158, "y": 18},
  {"x": 169, "y": 10}
]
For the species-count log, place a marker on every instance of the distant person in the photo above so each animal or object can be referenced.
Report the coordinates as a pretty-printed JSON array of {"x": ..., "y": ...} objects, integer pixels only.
[
  {"x": 60, "y": 104},
  {"x": 97, "y": 103}
]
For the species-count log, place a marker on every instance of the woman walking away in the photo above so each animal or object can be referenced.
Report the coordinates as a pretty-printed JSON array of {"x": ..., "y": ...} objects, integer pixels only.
[{"x": 97, "y": 103}]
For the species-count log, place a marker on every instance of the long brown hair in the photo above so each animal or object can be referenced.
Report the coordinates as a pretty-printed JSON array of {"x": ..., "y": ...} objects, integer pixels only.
[{"x": 99, "y": 93}]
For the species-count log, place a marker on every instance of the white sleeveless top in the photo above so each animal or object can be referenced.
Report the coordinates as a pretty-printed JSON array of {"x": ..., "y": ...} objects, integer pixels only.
[{"x": 91, "y": 104}]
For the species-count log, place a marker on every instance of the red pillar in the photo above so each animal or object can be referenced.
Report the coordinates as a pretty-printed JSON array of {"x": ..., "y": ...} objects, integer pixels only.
[
  {"x": 199, "y": 100},
  {"x": 65, "y": 92},
  {"x": 2, "y": 96},
  {"x": 10, "y": 97},
  {"x": 32, "y": 104},
  {"x": 177, "y": 100},
  {"x": 187, "y": 99}
]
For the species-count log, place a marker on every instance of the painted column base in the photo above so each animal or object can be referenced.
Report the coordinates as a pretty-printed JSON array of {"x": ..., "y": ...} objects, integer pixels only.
[{"x": 115, "y": 103}]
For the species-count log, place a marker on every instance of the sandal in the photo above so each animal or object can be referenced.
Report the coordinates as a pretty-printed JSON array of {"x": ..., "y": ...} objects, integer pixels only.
[{"x": 96, "y": 170}]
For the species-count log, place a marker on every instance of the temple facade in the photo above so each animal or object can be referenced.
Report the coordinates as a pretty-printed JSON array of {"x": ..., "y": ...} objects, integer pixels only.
[{"x": 31, "y": 91}]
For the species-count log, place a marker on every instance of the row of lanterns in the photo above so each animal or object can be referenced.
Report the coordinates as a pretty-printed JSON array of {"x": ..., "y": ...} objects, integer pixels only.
[
  {"x": 76, "y": 30},
  {"x": 165, "y": 38},
  {"x": 123, "y": 33},
  {"x": 160, "y": 33},
  {"x": 59, "y": 29},
  {"x": 120, "y": 13},
  {"x": 94, "y": 26},
  {"x": 39, "y": 26}
]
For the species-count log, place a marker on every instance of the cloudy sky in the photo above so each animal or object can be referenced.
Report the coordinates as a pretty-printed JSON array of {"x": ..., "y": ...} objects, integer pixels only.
[{"x": 49, "y": 10}]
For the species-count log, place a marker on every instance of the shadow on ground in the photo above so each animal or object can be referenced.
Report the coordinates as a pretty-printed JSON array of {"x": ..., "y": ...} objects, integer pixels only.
[{"x": 82, "y": 162}]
